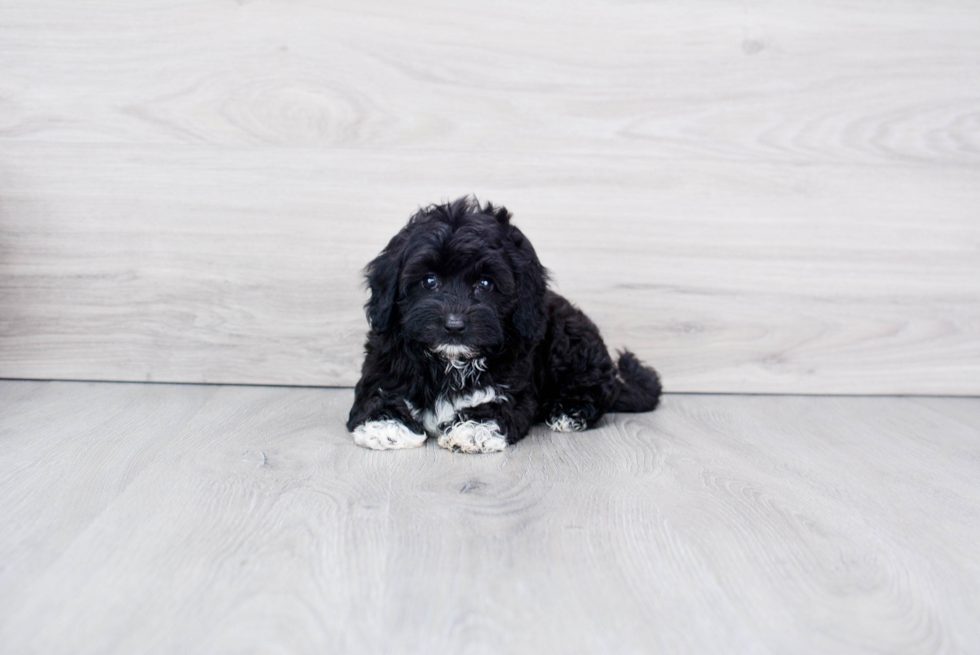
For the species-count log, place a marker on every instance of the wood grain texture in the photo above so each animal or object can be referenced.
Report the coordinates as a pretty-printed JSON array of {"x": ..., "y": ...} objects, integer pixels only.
[
  {"x": 203, "y": 519},
  {"x": 755, "y": 198}
]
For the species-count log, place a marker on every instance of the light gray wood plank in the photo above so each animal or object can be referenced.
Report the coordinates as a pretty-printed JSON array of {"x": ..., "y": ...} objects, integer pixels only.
[
  {"x": 190, "y": 264},
  {"x": 790, "y": 82},
  {"x": 196, "y": 519},
  {"x": 756, "y": 199}
]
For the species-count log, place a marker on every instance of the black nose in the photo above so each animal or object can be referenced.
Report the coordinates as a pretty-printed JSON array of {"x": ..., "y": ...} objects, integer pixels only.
[{"x": 455, "y": 323}]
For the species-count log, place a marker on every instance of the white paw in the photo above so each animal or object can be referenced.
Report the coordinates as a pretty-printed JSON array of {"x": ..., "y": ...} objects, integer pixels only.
[
  {"x": 474, "y": 437},
  {"x": 386, "y": 435},
  {"x": 565, "y": 423}
]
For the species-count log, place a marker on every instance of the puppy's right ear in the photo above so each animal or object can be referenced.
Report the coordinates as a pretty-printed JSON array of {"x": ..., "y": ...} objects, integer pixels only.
[{"x": 382, "y": 277}]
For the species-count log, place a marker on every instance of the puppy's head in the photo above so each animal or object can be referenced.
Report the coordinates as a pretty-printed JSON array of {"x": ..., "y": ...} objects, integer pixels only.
[{"x": 460, "y": 281}]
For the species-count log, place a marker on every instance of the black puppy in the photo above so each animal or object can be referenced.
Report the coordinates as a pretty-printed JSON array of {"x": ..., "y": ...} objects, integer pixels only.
[{"x": 468, "y": 344}]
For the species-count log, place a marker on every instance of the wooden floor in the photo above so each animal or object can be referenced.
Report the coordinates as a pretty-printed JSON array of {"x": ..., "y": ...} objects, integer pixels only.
[{"x": 213, "y": 519}]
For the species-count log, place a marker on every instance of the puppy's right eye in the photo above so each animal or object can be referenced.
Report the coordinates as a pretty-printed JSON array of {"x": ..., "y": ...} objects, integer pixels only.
[{"x": 430, "y": 282}]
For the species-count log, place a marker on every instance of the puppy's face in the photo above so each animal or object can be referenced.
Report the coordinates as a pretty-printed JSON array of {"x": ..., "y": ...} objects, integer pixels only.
[
  {"x": 457, "y": 291},
  {"x": 458, "y": 280}
]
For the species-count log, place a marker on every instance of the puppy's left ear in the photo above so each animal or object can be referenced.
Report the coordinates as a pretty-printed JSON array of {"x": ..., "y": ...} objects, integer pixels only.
[
  {"x": 382, "y": 277},
  {"x": 531, "y": 278}
]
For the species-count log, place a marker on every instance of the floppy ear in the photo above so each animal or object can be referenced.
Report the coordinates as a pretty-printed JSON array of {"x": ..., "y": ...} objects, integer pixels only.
[
  {"x": 382, "y": 277},
  {"x": 531, "y": 280}
]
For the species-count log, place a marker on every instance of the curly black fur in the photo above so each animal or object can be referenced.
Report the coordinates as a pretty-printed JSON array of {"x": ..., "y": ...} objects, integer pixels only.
[{"x": 460, "y": 303}]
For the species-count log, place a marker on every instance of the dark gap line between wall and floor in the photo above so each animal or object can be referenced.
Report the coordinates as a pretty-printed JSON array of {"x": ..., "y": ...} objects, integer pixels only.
[{"x": 350, "y": 388}]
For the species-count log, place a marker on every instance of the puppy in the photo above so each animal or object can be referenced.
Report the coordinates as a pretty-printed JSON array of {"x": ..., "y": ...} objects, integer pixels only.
[{"x": 468, "y": 345}]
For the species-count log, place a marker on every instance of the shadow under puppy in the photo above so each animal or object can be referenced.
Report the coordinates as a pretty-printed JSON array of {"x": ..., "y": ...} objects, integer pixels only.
[{"x": 468, "y": 345}]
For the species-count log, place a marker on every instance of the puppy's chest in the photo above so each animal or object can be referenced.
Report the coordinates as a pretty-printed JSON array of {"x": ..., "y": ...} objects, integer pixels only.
[
  {"x": 444, "y": 412},
  {"x": 459, "y": 373}
]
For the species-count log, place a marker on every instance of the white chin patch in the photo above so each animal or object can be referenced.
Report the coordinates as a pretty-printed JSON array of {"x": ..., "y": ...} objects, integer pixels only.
[
  {"x": 565, "y": 423},
  {"x": 473, "y": 437},
  {"x": 451, "y": 351},
  {"x": 386, "y": 435}
]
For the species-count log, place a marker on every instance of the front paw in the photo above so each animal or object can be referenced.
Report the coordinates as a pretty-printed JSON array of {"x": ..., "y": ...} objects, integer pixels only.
[
  {"x": 386, "y": 435},
  {"x": 473, "y": 437}
]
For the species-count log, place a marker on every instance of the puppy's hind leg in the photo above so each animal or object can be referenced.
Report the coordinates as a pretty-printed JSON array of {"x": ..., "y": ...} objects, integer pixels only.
[
  {"x": 570, "y": 421},
  {"x": 572, "y": 414},
  {"x": 630, "y": 387},
  {"x": 578, "y": 377}
]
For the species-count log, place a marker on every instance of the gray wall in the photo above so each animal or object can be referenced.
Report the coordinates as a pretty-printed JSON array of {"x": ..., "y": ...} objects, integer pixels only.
[{"x": 755, "y": 197}]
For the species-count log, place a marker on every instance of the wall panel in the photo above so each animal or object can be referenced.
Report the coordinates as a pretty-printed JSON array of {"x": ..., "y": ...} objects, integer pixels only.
[{"x": 755, "y": 198}]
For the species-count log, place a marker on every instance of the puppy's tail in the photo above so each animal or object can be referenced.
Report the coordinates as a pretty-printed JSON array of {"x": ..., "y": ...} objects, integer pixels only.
[{"x": 639, "y": 385}]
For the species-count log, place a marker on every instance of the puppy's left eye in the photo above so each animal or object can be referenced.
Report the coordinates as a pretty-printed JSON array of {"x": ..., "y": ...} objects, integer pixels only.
[{"x": 484, "y": 285}]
